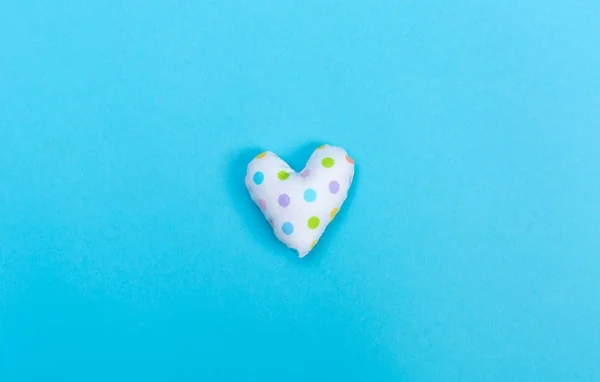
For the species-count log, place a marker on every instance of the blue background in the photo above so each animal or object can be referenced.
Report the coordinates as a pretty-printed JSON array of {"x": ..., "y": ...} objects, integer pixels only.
[{"x": 468, "y": 251}]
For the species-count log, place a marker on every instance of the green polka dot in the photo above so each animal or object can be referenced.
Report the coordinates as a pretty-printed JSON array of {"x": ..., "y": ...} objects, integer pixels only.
[
  {"x": 328, "y": 162},
  {"x": 283, "y": 175},
  {"x": 313, "y": 222}
]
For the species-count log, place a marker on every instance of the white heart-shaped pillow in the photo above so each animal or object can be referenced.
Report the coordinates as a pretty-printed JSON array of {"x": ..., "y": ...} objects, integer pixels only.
[{"x": 299, "y": 206}]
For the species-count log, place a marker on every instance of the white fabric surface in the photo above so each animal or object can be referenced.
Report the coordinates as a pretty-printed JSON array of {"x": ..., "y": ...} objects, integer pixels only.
[{"x": 300, "y": 205}]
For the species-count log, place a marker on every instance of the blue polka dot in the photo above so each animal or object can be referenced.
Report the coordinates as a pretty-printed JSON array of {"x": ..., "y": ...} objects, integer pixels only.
[
  {"x": 258, "y": 177},
  {"x": 287, "y": 228},
  {"x": 310, "y": 195}
]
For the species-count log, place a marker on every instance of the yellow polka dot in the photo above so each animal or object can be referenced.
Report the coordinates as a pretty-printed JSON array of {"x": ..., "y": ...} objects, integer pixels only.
[
  {"x": 313, "y": 244},
  {"x": 261, "y": 155},
  {"x": 321, "y": 147},
  {"x": 333, "y": 212}
]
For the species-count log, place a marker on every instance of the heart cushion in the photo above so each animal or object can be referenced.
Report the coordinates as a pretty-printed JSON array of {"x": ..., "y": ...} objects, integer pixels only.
[{"x": 299, "y": 206}]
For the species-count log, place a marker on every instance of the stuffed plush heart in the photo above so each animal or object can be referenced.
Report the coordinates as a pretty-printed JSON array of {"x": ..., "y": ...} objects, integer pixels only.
[{"x": 299, "y": 206}]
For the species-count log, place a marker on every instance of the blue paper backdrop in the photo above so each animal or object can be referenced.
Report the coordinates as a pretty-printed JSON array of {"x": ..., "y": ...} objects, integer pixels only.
[{"x": 469, "y": 250}]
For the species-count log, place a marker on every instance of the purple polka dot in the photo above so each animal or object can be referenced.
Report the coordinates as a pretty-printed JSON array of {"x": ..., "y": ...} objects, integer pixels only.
[
  {"x": 284, "y": 200},
  {"x": 263, "y": 204},
  {"x": 305, "y": 173},
  {"x": 334, "y": 187}
]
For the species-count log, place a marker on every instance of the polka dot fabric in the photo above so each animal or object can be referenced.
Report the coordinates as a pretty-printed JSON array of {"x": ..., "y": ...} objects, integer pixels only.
[{"x": 299, "y": 206}]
